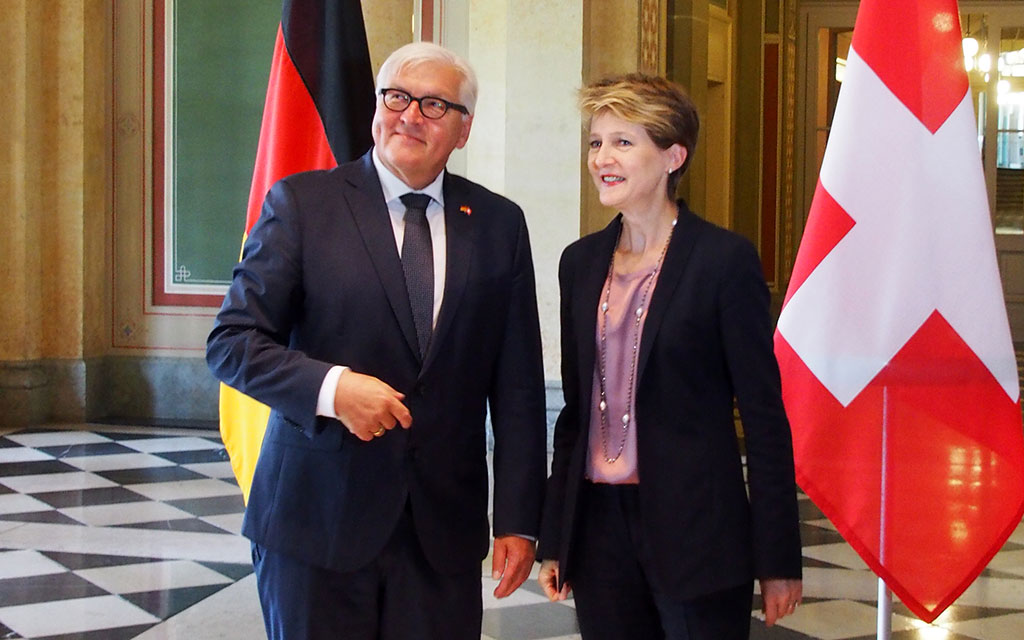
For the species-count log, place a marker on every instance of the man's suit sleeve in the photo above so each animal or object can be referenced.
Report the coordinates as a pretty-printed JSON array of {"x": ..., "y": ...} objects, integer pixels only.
[
  {"x": 746, "y": 334},
  {"x": 248, "y": 348},
  {"x": 517, "y": 404}
]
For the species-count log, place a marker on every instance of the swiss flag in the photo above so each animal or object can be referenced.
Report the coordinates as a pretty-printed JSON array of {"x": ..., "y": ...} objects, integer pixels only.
[{"x": 898, "y": 369}]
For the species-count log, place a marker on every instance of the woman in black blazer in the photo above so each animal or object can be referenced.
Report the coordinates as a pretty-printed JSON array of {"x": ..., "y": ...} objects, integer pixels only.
[{"x": 665, "y": 325}]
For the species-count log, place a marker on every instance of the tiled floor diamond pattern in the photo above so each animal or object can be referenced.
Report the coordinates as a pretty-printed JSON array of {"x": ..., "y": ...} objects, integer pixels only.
[{"x": 112, "y": 533}]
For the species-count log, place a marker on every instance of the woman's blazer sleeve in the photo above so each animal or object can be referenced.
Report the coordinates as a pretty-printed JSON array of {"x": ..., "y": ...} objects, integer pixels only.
[{"x": 747, "y": 338}]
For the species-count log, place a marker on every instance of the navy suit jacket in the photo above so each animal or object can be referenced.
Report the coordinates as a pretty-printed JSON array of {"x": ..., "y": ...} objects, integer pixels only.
[
  {"x": 707, "y": 339},
  {"x": 320, "y": 283}
]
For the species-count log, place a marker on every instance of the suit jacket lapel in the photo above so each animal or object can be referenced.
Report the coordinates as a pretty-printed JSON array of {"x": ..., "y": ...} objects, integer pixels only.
[
  {"x": 591, "y": 274},
  {"x": 680, "y": 247},
  {"x": 366, "y": 204},
  {"x": 459, "y": 229}
]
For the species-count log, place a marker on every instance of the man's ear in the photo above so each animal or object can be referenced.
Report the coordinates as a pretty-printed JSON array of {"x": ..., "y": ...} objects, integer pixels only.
[{"x": 467, "y": 124}]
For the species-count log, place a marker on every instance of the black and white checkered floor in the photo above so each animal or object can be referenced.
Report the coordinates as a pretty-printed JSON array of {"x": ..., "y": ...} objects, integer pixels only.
[{"x": 110, "y": 532}]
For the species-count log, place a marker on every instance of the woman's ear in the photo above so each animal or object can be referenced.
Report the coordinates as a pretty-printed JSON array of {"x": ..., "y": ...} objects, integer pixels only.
[{"x": 677, "y": 155}]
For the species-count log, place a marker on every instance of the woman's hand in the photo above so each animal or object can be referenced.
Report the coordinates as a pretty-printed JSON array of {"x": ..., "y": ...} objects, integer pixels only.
[
  {"x": 548, "y": 580},
  {"x": 780, "y": 596}
]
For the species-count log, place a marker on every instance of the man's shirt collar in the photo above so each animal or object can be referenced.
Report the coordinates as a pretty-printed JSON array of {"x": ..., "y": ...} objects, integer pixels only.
[{"x": 394, "y": 188}]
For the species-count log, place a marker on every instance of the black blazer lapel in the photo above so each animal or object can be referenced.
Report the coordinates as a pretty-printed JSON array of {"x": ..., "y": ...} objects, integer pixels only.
[
  {"x": 591, "y": 274},
  {"x": 459, "y": 229},
  {"x": 680, "y": 247},
  {"x": 366, "y": 205}
]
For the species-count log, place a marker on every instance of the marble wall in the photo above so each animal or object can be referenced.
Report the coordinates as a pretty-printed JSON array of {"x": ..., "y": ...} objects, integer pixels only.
[
  {"x": 55, "y": 195},
  {"x": 526, "y": 134},
  {"x": 389, "y": 25}
]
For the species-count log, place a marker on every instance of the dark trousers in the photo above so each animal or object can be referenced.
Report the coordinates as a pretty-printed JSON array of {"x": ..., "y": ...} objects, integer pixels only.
[
  {"x": 398, "y": 596},
  {"x": 610, "y": 577}
]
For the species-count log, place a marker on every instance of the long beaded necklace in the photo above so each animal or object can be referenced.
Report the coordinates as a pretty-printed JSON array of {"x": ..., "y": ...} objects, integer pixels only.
[{"x": 639, "y": 314}]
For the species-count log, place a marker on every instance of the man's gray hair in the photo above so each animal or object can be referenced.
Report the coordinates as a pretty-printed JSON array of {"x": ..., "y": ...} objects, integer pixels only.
[{"x": 417, "y": 53}]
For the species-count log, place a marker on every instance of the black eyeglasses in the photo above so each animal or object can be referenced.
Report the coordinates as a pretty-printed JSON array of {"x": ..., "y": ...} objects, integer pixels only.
[{"x": 430, "y": 106}]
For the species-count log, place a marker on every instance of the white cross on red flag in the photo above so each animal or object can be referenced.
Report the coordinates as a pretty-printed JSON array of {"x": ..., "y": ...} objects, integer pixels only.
[{"x": 898, "y": 369}]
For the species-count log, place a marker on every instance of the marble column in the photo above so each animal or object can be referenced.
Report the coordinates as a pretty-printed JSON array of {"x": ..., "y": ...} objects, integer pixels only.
[{"x": 55, "y": 196}]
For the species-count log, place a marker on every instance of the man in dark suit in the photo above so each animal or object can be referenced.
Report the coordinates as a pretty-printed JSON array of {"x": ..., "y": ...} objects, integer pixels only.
[{"x": 378, "y": 326}]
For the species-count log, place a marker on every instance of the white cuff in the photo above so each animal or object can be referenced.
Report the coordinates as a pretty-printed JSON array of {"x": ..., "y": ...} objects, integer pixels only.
[{"x": 325, "y": 401}]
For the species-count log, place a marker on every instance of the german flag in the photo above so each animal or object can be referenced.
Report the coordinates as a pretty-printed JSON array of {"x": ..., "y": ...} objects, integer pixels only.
[{"x": 317, "y": 114}]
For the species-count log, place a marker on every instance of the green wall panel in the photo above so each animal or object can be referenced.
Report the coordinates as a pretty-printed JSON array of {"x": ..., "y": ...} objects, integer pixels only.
[{"x": 222, "y": 51}]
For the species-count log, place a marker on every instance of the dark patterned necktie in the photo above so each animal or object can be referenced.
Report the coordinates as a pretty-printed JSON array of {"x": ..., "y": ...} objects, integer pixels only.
[{"x": 418, "y": 265}]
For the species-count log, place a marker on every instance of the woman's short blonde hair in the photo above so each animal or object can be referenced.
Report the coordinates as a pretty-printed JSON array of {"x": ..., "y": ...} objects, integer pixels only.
[{"x": 660, "y": 106}]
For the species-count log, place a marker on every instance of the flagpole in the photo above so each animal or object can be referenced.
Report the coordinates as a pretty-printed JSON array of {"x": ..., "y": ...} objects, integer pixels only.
[{"x": 884, "y": 627}]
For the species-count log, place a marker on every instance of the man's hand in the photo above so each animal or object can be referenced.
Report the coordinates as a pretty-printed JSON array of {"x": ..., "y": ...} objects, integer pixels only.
[
  {"x": 780, "y": 596},
  {"x": 548, "y": 580},
  {"x": 512, "y": 561},
  {"x": 368, "y": 407}
]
